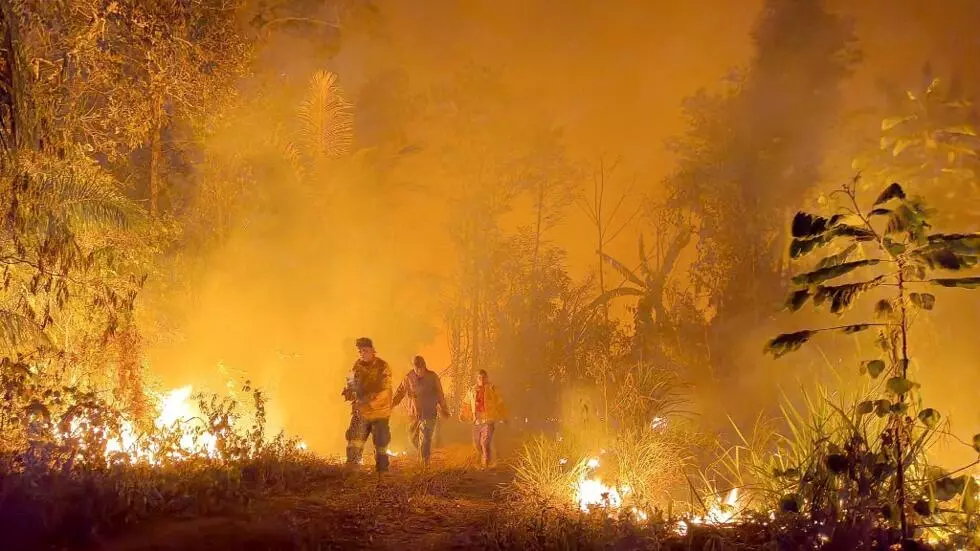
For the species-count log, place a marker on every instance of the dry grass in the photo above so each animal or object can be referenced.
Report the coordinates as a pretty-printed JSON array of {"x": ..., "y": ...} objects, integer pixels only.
[{"x": 546, "y": 471}]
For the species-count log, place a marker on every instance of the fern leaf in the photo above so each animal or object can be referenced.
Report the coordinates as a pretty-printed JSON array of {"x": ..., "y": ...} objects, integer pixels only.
[{"x": 326, "y": 117}]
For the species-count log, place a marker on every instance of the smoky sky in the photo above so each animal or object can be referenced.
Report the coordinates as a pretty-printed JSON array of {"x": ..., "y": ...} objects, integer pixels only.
[{"x": 610, "y": 76}]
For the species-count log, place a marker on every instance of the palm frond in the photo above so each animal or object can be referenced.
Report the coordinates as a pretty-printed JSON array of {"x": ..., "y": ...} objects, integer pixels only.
[
  {"x": 326, "y": 118},
  {"x": 17, "y": 331},
  {"x": 79, "y": 192},
  {"x": 623, "y": 270}
]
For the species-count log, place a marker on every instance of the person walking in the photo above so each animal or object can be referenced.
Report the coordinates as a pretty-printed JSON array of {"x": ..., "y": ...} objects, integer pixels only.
[
  {"x": 369, "y": 391},
  {"x": 483, "y": 407},
  {"x": 425, "y": 399}
]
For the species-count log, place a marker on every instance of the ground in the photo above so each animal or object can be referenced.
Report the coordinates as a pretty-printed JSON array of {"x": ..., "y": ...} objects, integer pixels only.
[{"x": 445, "y": 507}]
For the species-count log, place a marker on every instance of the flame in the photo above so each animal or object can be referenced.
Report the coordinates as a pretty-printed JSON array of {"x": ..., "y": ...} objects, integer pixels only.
[
  {"x": 174, "y": 411},
  {"x": 722, "y": 512},
  {"x": 592, "y": 492}
]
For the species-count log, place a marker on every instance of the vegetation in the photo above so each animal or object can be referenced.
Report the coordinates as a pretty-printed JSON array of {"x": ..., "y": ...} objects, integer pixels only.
[
  {"x": 862, "y": 468},
  {"x": 142, "y": 140}
]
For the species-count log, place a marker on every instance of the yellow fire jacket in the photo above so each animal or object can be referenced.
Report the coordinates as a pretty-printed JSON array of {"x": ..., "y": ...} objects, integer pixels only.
[
  {"x": 495, "y": 410},
  {"x": 374, "y": 380}
]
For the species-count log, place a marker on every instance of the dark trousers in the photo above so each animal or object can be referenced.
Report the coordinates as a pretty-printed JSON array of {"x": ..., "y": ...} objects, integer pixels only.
[
  {"x": 420, "y": 432},
  {"x": 357, "y": 435},
  {"x": 482, "y": 441}
]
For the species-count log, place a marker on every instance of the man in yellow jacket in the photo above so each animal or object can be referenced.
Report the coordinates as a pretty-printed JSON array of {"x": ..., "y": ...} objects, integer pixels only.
[
  {"x": 483, "y": 407},
  {"x": 369, "y": 390}
]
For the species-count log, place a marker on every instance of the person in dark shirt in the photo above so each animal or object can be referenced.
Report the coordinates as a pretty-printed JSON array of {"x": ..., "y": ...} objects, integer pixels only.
[{"x": 425, "y": 397}]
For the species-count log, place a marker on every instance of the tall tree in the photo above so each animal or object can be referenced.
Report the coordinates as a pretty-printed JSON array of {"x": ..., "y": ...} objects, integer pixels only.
[
  {"x": 755, "y": 149},
  {"x": 929, "y": 140}
]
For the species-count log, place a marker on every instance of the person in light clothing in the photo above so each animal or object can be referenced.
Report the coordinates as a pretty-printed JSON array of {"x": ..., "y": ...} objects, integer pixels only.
[{"x": 483, "y": 407}]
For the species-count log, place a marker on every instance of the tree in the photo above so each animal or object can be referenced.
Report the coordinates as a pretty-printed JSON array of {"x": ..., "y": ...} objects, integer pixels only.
[
  {"x": 113, "y": 75},
  {"x": 889, "y": 247},
  {"x": 930, "y": 142},
  {"x": 74, "y": 253},
  {"x": 754, "y": 150}
]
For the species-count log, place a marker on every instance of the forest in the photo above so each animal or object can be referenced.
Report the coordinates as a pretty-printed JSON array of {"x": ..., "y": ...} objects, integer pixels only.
[{"x": 721, "y": 263}]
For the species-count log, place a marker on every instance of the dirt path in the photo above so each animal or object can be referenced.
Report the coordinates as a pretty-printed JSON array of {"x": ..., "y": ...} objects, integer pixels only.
[{"x": 443, "y": 508}]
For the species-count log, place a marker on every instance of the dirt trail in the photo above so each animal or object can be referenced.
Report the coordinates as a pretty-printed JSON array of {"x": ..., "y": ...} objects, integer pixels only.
[{"x": 442, "y": 508}]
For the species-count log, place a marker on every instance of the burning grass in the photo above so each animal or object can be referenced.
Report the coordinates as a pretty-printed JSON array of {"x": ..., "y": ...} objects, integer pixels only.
[{"x": 73, "y": 464}]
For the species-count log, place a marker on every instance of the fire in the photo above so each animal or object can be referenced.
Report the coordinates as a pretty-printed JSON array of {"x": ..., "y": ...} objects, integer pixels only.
[
  {"x": 592, "y": 492},
  {"x": 722, "y": 512},
  {"x": 175, "y": 411}
]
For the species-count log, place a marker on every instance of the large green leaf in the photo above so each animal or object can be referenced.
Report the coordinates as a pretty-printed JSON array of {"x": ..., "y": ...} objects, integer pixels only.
[
  {"x": 883, "y": 309},
  {"x": 882, "y": 408},
  {"x": 902, "y": 220},
  {"x": 946, "y": 259},
  {"x": 900, "y": 385},
  {"x": 787, "y": 342},
  {"x": 960, "y": 243},
  {"x": 797, "y": 299},
  {"x": 929, "y": 417},
  {"x": 842, "y": 296},
  {"x": 858, "y": 233},
  {"x": 873, "y": 368},
  {"x": 961, "y": 282},
  {"x": 855, "y": 328},
  {"x": 802, "y": 246},
  {"x": 925, "y": 301},
  {"x": 894, "y": 248},
  {"x": 831, "y": 272},
  {"x": 891, "y": 192},
  {"x": 807, "y": 225},
  {"x": 837, "y": 259}
]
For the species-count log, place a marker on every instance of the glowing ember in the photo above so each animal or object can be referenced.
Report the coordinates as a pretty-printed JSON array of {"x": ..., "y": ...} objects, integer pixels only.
[{"x": 719, "y": 513}]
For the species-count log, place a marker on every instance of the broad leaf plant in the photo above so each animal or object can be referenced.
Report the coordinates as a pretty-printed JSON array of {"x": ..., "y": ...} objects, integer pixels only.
[{"x": 890, "y": 249}]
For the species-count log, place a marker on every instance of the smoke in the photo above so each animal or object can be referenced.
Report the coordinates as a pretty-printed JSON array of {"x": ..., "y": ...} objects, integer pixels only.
[{"x": 289, "y": 256}]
